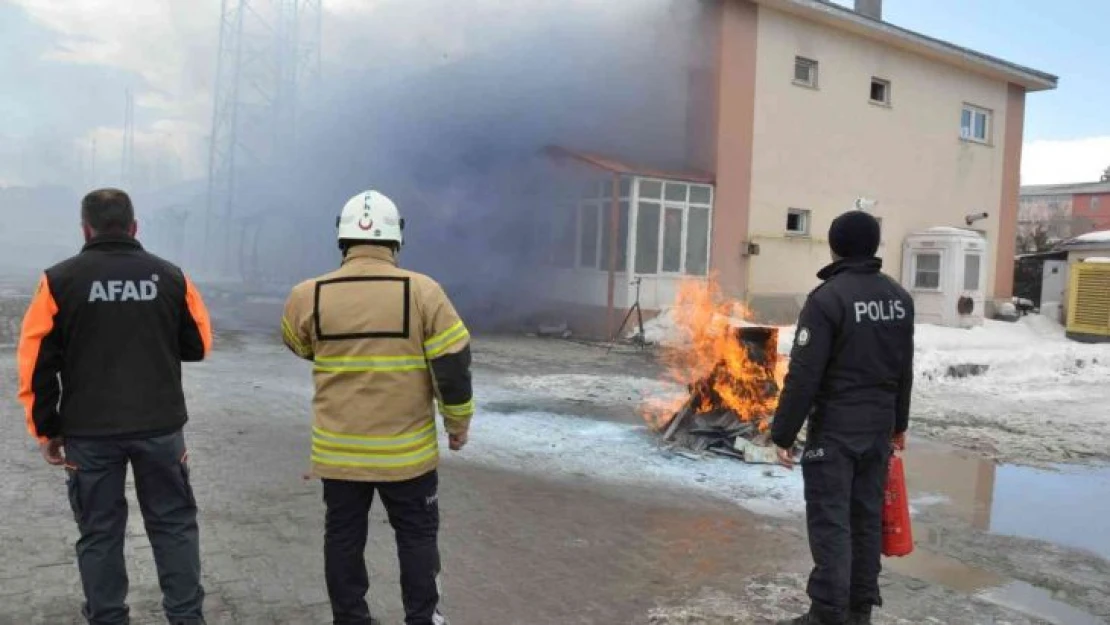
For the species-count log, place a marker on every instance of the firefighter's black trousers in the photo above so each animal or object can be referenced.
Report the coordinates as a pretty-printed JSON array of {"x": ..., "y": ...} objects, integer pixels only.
[
  {"x": 97, "y": 473},
  {"x": 413, "y": 510},
  {"x": 845, "y": 481}
]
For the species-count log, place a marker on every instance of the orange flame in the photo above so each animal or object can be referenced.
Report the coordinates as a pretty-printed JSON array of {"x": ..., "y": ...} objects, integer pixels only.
[{"x": 705, "y": 352}]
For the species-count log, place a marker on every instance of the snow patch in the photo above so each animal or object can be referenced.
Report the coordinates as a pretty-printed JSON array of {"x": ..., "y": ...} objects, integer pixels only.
[
  {"x": 1098, "y": 260},
  {"x": 595, "y": 388},
  {"x": 1101, "y": 236},
  {"x": 552, "y": 445}
]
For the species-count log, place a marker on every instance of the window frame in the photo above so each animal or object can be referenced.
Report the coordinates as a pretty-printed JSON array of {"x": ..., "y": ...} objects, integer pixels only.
[
  {"x": 814, "y": 68},
  {"x": 807, "y": 221},
  {"x": 665, "y": 205},
  {"x": 988, "y": 124},
  {"x": 887, "y": 91},
  {"x": 917, "y": 254},
  {"x": 603, "y": 205}
]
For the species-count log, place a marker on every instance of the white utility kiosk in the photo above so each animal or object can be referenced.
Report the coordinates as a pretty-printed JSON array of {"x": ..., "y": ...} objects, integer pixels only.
[{"x": 945, "y": 270}]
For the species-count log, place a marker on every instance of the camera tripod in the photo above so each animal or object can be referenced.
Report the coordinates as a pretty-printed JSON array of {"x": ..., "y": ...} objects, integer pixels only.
[{"x": 639, "y": 339}]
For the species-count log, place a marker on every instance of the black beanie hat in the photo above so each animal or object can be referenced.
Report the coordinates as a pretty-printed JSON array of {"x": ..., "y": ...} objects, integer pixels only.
[{"x": 854, "y": 234}]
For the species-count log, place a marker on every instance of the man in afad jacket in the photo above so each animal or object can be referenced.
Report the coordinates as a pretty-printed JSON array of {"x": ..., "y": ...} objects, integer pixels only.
[
  {"x": 100, "y": 378},
  {"x": 851, "y": 372},
  {"x": 387, "y": 346}
]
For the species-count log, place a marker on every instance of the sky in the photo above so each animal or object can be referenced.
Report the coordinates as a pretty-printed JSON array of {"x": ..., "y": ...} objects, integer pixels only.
[{"x": 68, "y": 64}]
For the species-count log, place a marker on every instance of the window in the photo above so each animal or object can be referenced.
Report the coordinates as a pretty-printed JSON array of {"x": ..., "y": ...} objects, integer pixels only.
[
  {"x": 805, "y": 72},
  {"x": 1094, "y": 203},
  {"x": 797, "y": 221},
  {"x": 880, "y": 91},
  {"x": 622, "y": 237},
  {"x": 588, "y": 235},
  {"x": 672, "y": 239},
  {"x": 647, "y": 237},
  {"x": 975, "y": 124},
  {"x": 926, "y": 272},
  {"x": 697, "y": 241},
  {"x": 971, "y": 272}
]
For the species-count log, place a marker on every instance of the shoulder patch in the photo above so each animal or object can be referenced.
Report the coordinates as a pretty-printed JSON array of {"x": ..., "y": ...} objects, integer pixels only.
[{"x": 801, "y": 338}]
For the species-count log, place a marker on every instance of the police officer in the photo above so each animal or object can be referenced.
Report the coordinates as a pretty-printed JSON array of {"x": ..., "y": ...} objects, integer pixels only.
[
  {"x": 100, "y": 378},
  {"x": 851, "y": 370},
  {"x": 387, "y": 346}
]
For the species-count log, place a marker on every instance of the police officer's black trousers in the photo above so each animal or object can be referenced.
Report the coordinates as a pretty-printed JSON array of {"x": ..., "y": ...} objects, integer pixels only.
[
  {"x": 413, "y": 510},
  {"x": 844, "y": 491},
  {"x": 97, "y": 473}
]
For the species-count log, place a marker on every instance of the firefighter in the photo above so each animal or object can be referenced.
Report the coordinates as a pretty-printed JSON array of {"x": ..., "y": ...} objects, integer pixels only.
[
  {"x": 100, "y": 378},
  {"x": 387, "y": 346},
  {"x": 851, "y": 371}
]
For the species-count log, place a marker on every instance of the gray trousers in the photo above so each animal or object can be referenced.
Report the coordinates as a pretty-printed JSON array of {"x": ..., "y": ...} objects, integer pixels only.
[{"x": 97, "y": 473}]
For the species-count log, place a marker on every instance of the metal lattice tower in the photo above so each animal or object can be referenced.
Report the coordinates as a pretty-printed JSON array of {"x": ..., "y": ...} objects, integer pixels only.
[
  {"x": 268, "y": 56},
  {"x": 127, "y": 153}
]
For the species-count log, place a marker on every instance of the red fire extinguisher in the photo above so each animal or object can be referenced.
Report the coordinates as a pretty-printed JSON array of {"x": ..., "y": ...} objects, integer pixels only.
[{"x": 897, "y": 530}]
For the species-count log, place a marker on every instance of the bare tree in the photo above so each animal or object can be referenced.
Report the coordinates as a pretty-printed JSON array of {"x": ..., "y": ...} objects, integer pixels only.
[{"x": 1106, "y": 175}]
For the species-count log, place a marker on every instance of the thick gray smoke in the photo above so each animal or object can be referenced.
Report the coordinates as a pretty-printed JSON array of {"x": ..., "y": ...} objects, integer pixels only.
[{"x": 446, "y": 107}]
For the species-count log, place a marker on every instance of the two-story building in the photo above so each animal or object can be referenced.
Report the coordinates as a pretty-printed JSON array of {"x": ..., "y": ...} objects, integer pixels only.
[{"x": 798, "y": 111}]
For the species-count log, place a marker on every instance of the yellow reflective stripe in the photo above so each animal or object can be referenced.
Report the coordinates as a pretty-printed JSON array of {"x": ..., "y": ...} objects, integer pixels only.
[
  {"x": 291, "y": 336},
  {"x": 393, "y": 461},
  {"x": 360, "y": 364},
  {"x": 369, "y": 443},
  {"x": 457, "y": 410},
  {"x": 445, "y": 340}
]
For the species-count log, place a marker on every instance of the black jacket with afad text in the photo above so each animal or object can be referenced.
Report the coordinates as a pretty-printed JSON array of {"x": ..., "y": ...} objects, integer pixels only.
[
  {"x": 851, "y": 367},
  {"x": 103, "y": 341}
]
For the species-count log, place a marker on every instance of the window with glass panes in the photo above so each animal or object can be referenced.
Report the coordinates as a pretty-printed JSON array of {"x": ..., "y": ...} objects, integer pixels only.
[
  {"x": 595, "y": 224},
  {"x": 672, "y": 227}
]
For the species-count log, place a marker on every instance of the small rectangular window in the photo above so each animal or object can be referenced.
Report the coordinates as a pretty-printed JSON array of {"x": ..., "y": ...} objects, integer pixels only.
[
  {"x": 701, "y": 195},
  {"x": 880, "y": 91},
  {"x": 647, "y": 237},
  {"x": 797, "y": 221},
  {"x": 975, "y": 124},
  {"x": 805, "y": 71},
  {"x": 926, "y": 272},
  {"x": 675, "y": 192},
  {"x": 971, "y": 272},
  {"x": 651, "y": 189}
]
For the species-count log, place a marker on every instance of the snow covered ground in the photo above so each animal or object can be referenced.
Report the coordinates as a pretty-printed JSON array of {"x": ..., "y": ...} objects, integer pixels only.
[{"x": 1042, "y": 399}]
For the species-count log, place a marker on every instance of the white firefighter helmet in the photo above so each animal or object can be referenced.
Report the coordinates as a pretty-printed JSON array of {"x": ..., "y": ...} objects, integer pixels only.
[{"x": 370, "y": 216}]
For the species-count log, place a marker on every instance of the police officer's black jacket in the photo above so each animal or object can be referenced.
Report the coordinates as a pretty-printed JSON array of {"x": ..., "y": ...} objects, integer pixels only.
[
  {"x": 103, "y": 340},
  {"x": 851, "y": 367}
]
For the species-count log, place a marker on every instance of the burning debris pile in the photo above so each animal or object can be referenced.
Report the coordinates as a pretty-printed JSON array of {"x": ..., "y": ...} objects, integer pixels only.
[{"x": 732, "y": 373}]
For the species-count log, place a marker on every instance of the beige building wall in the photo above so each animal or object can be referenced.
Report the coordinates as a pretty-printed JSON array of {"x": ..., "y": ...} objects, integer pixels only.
[{"x": 820, "y": 148}]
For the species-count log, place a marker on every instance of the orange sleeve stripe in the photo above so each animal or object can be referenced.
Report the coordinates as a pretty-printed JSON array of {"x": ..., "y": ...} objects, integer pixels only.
[
  {"x": 199, "y": 313},
  {"x": 37, "y": 324}
]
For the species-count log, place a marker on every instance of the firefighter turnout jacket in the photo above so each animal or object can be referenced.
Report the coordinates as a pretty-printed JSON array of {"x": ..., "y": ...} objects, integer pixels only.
[
  {"x": 102, "y": 344},
  {"x": 851, "y": 367},
  {"x": 386, "y": 345}
]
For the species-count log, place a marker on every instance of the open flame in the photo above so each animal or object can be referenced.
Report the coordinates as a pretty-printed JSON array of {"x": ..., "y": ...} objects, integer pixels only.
[{"x": 707, "y": 357}]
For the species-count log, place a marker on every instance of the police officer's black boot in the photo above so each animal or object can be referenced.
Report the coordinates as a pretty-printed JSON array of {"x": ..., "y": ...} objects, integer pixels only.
[
  {"x": 809, "y": 618},
  {"x": 860, "y": 616}
]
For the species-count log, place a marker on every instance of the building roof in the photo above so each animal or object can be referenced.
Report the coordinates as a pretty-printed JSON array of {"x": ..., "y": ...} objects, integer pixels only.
[
  {"x": 615, "y": 166},
  {"x": 1076, "y": 188},
  {"x": 1092, "y": 240},
  {"x": 845, "y": 18}
]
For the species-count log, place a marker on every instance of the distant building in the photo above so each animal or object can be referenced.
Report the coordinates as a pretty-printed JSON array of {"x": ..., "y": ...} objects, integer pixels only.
[
  {"x": 799, "y": 111},
  {"x": 1064, "y": 210}
]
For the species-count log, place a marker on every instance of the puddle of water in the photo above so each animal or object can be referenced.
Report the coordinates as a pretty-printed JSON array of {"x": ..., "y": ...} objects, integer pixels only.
[
  {"x": 1062, "y": 507},
  {"x": 1019, "y": 596},
  {"x": 1038, "y": 603}
]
